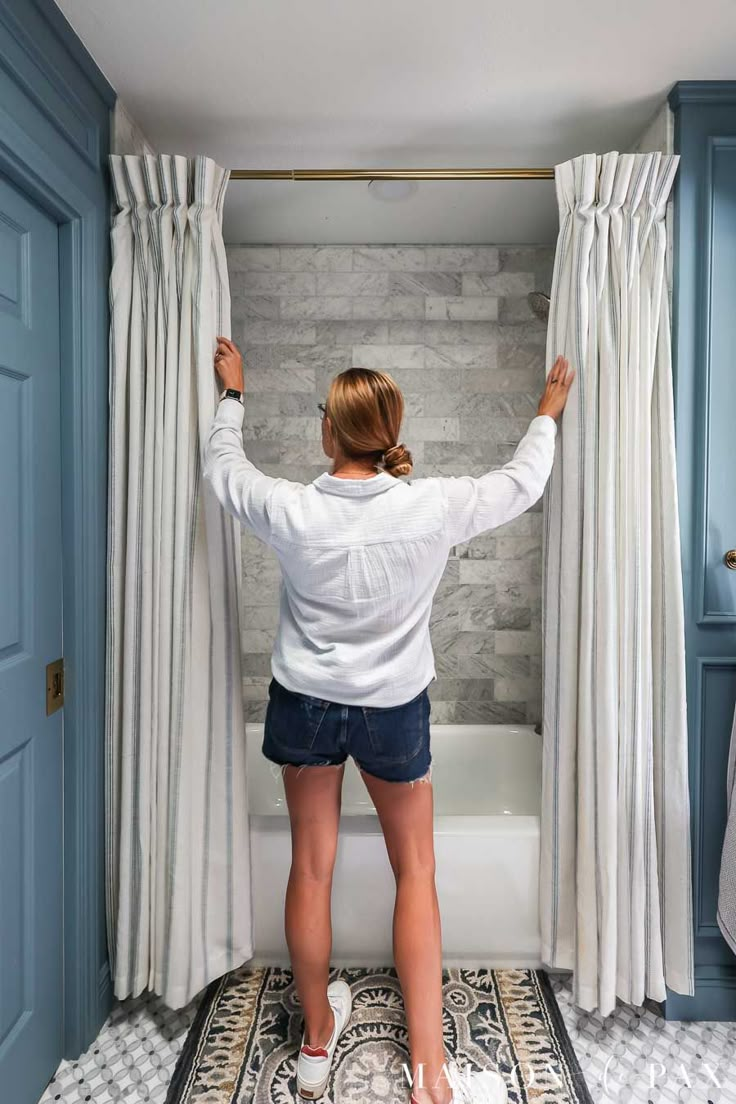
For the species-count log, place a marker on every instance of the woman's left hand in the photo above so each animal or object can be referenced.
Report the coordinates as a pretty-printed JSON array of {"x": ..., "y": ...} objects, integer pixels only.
[{"x": 229, "y": 364}]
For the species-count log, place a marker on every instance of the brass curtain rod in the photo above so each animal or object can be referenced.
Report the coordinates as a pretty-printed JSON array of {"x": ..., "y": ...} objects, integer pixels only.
[{"x": 392, "y": 174}]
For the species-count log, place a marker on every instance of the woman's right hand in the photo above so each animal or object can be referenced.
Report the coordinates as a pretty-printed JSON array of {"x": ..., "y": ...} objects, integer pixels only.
[
  {"x": 555, "y": 393},
  {"x": 229, "y": 364}
]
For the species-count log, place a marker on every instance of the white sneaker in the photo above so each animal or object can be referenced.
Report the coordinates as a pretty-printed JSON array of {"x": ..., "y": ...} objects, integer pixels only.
[
  {"x": 313, "y": 1066},
  {"x": 473, "y": 1087}
]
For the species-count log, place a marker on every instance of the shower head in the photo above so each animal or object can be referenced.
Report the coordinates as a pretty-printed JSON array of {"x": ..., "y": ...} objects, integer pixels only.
[{"x": 539, "y": 303}]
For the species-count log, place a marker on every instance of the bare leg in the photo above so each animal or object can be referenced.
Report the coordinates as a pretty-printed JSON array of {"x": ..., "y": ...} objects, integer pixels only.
[
  {"x": 313, "y": 796},
  {"x": 406, "y": 813}
]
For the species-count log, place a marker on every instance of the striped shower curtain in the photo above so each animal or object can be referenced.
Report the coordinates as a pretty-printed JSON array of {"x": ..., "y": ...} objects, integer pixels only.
[
  {"x": 615, "y": 870},
  {"x": 177, "y": 849}
]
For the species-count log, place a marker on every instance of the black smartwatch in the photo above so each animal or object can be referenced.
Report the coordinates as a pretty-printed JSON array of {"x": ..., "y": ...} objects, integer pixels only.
[{"x": 232, "y": 393}]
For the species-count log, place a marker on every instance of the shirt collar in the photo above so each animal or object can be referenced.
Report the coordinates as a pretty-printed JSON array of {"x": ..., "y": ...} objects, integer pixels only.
[{"x": 353, "y": 488}]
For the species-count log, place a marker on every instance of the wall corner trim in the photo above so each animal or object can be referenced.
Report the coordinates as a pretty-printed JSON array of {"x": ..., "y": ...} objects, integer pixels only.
[{"x": 76, "y": 49}]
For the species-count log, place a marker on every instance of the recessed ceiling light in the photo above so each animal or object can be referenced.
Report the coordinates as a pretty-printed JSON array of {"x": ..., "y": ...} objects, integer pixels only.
[{"x": 392, "y": 191}]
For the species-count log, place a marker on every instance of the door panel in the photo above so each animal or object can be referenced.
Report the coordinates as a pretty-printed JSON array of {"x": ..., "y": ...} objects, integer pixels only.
[
  {"x": 31, "y": 825},
  {"x": 705, "y": 409},
  {"x": 712, "y": 633},
  {"x": 719, "y": 482}
]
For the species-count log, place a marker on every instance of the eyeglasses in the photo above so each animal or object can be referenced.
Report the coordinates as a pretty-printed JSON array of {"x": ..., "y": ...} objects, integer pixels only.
[{"x": 322, "y": 409}]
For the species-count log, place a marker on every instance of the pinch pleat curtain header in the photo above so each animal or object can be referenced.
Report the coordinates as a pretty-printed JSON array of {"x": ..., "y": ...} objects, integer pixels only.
[
  {"x": 173, "y": 204},
  {"x": 623, "y": 194}
]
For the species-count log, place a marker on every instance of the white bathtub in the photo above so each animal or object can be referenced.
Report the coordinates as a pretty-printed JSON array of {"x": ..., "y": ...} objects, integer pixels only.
[{"x": 487, "y": 784}]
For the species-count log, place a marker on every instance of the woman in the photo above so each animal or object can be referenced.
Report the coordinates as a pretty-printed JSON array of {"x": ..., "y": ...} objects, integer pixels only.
[{"x": 361, "y": 554}]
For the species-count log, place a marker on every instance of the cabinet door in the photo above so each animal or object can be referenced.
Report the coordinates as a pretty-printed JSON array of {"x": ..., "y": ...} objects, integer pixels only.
[
  {"x": 714, "y": 583},
  {"x": 705, "y": 404}
]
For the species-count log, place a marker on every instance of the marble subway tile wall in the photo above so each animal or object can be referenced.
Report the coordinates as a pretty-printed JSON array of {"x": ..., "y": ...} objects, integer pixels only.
[{"x": 452, "y": 325}]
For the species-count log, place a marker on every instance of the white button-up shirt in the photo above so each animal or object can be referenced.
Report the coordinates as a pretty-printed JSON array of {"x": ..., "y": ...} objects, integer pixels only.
[{"x": 361, "y": 558}]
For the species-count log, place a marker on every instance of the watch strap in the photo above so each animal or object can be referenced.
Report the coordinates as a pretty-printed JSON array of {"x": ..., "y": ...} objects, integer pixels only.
[{"x": 232, "y": 393}]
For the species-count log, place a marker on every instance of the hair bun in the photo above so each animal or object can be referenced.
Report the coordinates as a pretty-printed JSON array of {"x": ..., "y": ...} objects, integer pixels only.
[{"x": 397, "y": 460}]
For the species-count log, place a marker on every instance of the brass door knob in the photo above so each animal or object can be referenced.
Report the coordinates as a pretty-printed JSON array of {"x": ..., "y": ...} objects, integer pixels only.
[{"x": 730, "y": 559}]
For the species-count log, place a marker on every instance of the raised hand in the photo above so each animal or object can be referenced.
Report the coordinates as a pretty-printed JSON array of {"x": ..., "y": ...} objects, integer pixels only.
[
  {"x": 229, "y": 363},
  {"x": 557, "y": 388}
]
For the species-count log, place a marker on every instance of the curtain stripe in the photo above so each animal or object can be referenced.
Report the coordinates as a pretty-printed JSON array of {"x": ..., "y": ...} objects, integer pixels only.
[
  {"x": 615, "y": 860},
  {"x": 177, "y": 849}
]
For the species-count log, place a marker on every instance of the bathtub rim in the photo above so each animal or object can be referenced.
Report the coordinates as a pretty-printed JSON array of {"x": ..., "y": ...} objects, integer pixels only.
[{"x": 513, "y": 825}]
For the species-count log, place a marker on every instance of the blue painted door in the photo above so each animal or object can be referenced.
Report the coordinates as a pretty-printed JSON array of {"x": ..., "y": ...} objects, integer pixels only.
[{"x": 31, "y": 931}]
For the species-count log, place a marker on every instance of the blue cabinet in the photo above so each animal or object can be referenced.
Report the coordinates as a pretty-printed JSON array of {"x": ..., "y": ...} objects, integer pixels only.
[{"x": 704, "y": 349}]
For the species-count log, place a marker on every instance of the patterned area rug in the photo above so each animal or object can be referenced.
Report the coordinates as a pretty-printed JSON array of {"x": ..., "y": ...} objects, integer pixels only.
[{"x": 243, "y": 1043}]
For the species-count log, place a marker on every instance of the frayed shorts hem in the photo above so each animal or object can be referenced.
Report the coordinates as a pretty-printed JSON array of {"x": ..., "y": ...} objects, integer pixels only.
[{"x": 424, "y": 775}]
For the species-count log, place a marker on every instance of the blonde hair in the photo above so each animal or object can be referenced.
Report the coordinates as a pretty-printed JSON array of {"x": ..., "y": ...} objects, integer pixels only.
[{"x": 366, "y": 409}]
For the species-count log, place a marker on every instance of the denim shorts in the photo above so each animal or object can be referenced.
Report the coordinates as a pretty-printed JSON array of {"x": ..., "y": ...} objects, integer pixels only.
[{"x": 390, "y": 742}]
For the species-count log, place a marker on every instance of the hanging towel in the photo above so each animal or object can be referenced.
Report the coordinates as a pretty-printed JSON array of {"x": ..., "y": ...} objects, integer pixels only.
[{"x": 727, "y": 881}]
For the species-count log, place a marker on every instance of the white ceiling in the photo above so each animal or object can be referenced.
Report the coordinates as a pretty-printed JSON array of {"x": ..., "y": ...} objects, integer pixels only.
[{"x": 398, "y": 83}]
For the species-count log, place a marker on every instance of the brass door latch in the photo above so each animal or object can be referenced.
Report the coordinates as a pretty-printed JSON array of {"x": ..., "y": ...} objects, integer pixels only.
[{"x": 54, "y": 686}]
